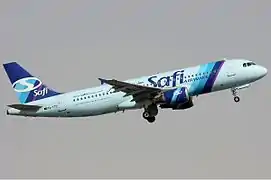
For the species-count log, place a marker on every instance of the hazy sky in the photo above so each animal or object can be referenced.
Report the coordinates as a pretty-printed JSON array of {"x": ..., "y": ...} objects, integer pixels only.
[{"x": 69, "y": 44}]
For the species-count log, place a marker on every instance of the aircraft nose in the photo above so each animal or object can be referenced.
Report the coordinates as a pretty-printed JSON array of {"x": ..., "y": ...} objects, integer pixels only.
[{"x": 263, "y": 71}]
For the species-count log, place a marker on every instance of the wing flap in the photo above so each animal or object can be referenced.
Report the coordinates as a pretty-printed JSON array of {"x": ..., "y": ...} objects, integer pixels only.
[{"x": 25, "y": 107}]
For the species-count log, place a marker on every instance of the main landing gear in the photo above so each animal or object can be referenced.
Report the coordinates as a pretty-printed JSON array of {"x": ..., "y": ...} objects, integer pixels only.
[
  {"x": 150, "y": 112},
  {"x": 234, "y": 93}
]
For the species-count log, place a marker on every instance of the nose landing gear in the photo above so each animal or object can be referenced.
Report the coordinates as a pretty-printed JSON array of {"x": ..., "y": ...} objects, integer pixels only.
[{"x": 234, "y": 93}]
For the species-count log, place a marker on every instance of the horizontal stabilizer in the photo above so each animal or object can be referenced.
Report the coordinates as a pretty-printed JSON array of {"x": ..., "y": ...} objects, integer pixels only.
[{"x": 24, "y": 107}]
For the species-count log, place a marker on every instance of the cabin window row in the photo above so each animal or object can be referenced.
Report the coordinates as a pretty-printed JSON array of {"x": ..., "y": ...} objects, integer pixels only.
[
  {"x": 92, "y": 96},
  {"x": 199, "y": 74}
]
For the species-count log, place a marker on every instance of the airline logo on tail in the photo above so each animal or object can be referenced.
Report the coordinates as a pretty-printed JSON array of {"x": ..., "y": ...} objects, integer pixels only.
[
  {"x": 29, "y": 84},
  {"x": 28, "y": 88}
]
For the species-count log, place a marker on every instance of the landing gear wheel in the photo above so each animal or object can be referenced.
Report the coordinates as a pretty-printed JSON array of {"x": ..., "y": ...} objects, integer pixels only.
[
  {"x": 148, "y": 117},
  {"x": 151, "y": 119},
  {"x": 150, "y": 112},
  {"x": 146, "y": 114},
  {"x": 236, "y": 99}
]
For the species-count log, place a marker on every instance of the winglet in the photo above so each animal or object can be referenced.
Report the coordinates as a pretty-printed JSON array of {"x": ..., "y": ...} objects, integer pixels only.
[{"x": 103, "y": 81}]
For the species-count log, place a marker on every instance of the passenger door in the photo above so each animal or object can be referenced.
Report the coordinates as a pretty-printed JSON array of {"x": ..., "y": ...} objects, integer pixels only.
[{"x": 231, "y": 75}]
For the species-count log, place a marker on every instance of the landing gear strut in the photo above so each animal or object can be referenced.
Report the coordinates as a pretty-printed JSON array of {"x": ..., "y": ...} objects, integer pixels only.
[
  {"x": 234, "y": 93},
  {"x": 150, "y": 112}
]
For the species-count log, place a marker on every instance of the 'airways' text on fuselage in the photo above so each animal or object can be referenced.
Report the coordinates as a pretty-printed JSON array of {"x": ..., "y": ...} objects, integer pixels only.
[{"x": 177, "y": 75}]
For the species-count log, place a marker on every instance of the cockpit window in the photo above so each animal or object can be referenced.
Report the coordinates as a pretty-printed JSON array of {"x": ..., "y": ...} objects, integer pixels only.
[{"x": 248, "y": 64}]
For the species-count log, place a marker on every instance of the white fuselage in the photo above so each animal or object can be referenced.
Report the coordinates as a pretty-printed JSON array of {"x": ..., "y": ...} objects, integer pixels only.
[{"x": 102, "y": 99}]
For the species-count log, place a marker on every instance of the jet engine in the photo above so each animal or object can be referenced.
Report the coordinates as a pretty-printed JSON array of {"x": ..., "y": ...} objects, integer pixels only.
[{"x": 176, "y": 99}]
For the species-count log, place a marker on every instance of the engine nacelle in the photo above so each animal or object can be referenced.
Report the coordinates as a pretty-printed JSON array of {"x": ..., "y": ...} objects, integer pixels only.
[
  {"x": 186, "y": 105},
  {"x": 176, "y": 96}
]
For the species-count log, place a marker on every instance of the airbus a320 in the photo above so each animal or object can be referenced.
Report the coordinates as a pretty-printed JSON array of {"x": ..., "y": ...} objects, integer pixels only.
[{"x": 173, "y": 89}]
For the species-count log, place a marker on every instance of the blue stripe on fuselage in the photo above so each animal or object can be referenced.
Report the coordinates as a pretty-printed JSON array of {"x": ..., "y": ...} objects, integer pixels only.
[
  {"x": 195, "y": 87},
  {"x": 206, "y": 82},
  {"x": 212, "y": 77},
  {"x": 204, "y": 74}
]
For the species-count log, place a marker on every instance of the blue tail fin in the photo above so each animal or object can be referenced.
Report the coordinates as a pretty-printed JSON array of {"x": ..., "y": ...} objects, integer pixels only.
[{"x": 27, "y": 87}]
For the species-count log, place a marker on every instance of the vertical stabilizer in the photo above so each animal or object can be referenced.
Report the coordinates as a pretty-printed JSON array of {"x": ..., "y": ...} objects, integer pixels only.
[{"x": 28, "y": 88}]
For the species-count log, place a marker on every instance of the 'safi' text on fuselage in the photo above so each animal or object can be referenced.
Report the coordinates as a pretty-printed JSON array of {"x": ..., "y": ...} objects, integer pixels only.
[
  {"x": 177, "y": 76},
  {"x": 165, "y": 81}
]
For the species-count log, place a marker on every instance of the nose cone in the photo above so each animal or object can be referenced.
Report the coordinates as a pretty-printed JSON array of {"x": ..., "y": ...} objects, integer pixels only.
[{"x": 263, "y": 71}]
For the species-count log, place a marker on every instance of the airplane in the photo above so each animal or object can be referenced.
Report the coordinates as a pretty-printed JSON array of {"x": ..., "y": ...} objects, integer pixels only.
[{"x": 174, "y": 89}]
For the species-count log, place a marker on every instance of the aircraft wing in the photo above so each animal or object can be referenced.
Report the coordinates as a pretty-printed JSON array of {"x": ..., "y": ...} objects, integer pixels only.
[
  {"x": 139, "y": 92},
  {"x": 25, "y": 107}
]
